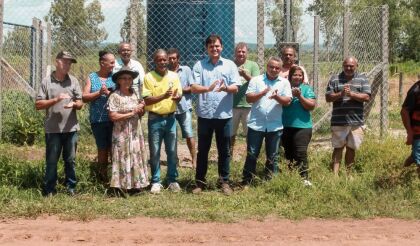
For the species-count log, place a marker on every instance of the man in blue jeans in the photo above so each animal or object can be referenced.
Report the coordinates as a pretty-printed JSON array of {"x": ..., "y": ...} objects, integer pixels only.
[
  {"x": 60, "y": 95},
  {"x": 216, "y": 79},
  {"x": 268, "y": 93},
  {"x": 162, "y": 91},
  {"x": 183, "y": 112}
]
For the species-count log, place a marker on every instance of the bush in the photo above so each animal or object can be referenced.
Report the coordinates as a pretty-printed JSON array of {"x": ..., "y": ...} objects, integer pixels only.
[{"x": 22, "y": 123}]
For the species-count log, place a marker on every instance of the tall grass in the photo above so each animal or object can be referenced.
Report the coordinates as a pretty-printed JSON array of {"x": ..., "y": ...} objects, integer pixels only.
[{"x": 378, "y": 187}]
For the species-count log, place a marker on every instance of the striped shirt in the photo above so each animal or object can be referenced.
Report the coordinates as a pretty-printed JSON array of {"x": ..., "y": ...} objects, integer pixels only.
[{"x": 348, "y": 112}]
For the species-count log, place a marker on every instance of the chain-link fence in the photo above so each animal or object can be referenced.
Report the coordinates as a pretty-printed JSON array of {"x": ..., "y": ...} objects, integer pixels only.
[{"x": 86, "y": 27}]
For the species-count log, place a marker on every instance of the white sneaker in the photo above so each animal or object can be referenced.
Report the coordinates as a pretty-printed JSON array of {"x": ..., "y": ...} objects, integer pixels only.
[
  {"x": 174, "y": 187},
  {"x": 307, "y": 182},
  {"x": 156, "y": 188}
]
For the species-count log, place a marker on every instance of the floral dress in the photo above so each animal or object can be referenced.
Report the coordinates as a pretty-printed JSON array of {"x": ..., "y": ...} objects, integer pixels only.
[{"x": 129, "y": 158}]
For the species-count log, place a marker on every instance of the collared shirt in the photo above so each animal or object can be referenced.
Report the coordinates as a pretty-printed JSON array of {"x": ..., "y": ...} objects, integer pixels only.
[
  {"x": 239, "y": 99},
  {"x": 156, "y": 85},
  {"x": 215, "y": 105},
  {"x": 185, "y": 75},
  {"x": 57, "y": 118},
  {"x": 346, "y": 111},
  {"x": 132, "y": 65},
  {"x": 266, "y": 114}
]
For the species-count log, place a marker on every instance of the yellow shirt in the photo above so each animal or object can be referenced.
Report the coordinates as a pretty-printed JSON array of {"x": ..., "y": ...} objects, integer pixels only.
[{"x": 156, "y": 85}]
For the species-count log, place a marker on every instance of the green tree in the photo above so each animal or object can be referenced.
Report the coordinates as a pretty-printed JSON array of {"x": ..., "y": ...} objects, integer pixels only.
[
  {"x": 403, "y": 30},
  {"x": 277, "y": 22},
  {"x": 140, "y": 24},
  {"x": 76, "y": 26},
  {"x": 18, "y": 42}
]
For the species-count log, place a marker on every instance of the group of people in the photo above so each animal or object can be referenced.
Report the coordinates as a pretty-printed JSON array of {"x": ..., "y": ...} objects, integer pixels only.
[{"x": 274, "y": 106}]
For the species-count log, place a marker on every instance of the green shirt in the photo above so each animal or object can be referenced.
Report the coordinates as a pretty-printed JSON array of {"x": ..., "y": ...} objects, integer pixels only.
[
  {"x": 239, "y": 100},
  {"x": 295, "y": 115}
]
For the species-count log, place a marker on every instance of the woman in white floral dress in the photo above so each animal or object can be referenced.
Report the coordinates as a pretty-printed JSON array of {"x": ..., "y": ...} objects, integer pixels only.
[{"x": 129, "y": 158}]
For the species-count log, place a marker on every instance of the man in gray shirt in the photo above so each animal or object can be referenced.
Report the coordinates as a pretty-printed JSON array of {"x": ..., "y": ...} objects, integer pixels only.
[{"x": 60, "y": 95}]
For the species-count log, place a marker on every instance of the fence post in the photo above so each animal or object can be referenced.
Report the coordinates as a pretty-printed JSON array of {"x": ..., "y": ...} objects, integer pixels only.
[
  {"x": 384, "y": 84},
  {"x": 49, "y": 48},
  {"x": 400, "y": 88},
  {"x": 36, "y": 68},
  {"x": 43, "y": 50},
  {"x": 260, "y": 33},
  {"x": 287, "y": 14},
  {"x": 1, "y": 70},
  {"x": 315, "y": 62},
  {"x": 346, "y": 21},
  {"x": 133, "y": 26}
]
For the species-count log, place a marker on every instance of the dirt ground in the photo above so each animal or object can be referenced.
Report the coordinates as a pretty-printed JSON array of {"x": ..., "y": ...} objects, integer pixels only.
[{"x": 52, "y": 231}]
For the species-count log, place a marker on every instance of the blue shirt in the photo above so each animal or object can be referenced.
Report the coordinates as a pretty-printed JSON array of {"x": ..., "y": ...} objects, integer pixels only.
[
  {"x": 185, "y": 75},
  {"x": 215, "y": 105},
  {"x": 98, "y": 107},
  {"x": 295, "y": 115},
  {"x": 266, "y": 114}
]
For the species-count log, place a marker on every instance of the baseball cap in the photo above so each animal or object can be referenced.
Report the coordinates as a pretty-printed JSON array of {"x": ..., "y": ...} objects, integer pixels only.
[{"x": 66, "y": 55}]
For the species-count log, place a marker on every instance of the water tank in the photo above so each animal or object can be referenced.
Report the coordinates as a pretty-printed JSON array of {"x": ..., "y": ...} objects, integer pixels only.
[{"x": 186, "y": 24}]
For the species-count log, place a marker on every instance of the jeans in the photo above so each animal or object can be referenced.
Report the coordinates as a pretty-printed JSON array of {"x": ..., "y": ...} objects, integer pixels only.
[
  {"x": 162, "y": 129},
  {"x": 205, "y": 128},
  {"x": 55, "y": 144},
  {"x": 295, "y": 144},
  {"x": 254, "y": 141}
]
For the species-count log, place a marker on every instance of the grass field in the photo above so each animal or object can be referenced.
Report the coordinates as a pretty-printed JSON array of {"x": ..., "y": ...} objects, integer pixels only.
[{"x": 378, "y": 187}]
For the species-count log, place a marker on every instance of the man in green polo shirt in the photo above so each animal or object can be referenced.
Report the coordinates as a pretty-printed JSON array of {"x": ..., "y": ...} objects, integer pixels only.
[{"x": 247, "y": 69}]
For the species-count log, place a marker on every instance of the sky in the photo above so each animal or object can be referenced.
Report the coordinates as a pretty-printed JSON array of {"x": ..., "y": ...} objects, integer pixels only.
[{"x": 22, "y": 12}]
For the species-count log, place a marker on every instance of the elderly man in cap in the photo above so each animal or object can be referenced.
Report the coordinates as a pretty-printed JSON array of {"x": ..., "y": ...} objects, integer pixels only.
[{"x": 60, "y": 95}]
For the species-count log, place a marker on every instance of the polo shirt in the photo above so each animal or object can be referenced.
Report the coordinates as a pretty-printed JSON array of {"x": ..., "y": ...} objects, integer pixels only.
[
  {"x": 156, "y": 85},
  {"x": 57, "y": 118},
  {"x": 348, "y": 112},
  {"x": 239, "y": 99}
]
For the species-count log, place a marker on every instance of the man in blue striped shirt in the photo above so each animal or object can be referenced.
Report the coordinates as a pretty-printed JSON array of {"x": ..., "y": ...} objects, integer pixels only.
[{"x": 348, "y": 91}]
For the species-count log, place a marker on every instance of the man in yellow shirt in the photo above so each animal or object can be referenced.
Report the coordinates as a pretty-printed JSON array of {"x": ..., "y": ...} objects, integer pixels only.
[{"x": 161, "y": 91}]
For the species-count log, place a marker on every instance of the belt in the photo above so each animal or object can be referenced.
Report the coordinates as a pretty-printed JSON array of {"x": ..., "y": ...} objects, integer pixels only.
[{"x": 152, "y": 114}]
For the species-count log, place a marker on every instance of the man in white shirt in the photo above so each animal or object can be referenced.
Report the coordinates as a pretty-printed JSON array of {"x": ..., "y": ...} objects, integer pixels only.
[{"x": 125, "y": 62}]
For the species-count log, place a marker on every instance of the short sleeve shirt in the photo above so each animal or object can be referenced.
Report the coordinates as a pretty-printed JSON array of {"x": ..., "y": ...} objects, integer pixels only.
[
  {"x": 239, "y": 99},
  {"x": 134, "y": 66},
  {"x": 215, "y": 105},
  {"x": 156, "y": 85},
  {"x": 347, "y": 112},
  {"x": 186, "y": 78},
  {"x": 57, "y": 118},
  {"x": 412, "y": 104},
  {"x": 295, "y": 115},
  {"x": 266, "y": 113}
]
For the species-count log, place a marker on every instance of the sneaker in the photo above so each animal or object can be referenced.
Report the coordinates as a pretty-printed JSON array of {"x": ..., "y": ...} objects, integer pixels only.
[
  {"x": 71, "y": 192},
  {"x": 156, "y": 187},
  {"x": 307, "y": 182},
  {"x": 174, "y": 187},
  {"x": 226, "y": 189}
]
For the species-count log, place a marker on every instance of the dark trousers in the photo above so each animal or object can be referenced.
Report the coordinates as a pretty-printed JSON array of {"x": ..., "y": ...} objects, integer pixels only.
[
  {"x": 205, "y": 129},
  {"x": 295, "y": 142},
  {"x": 254, "y": 142}
]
